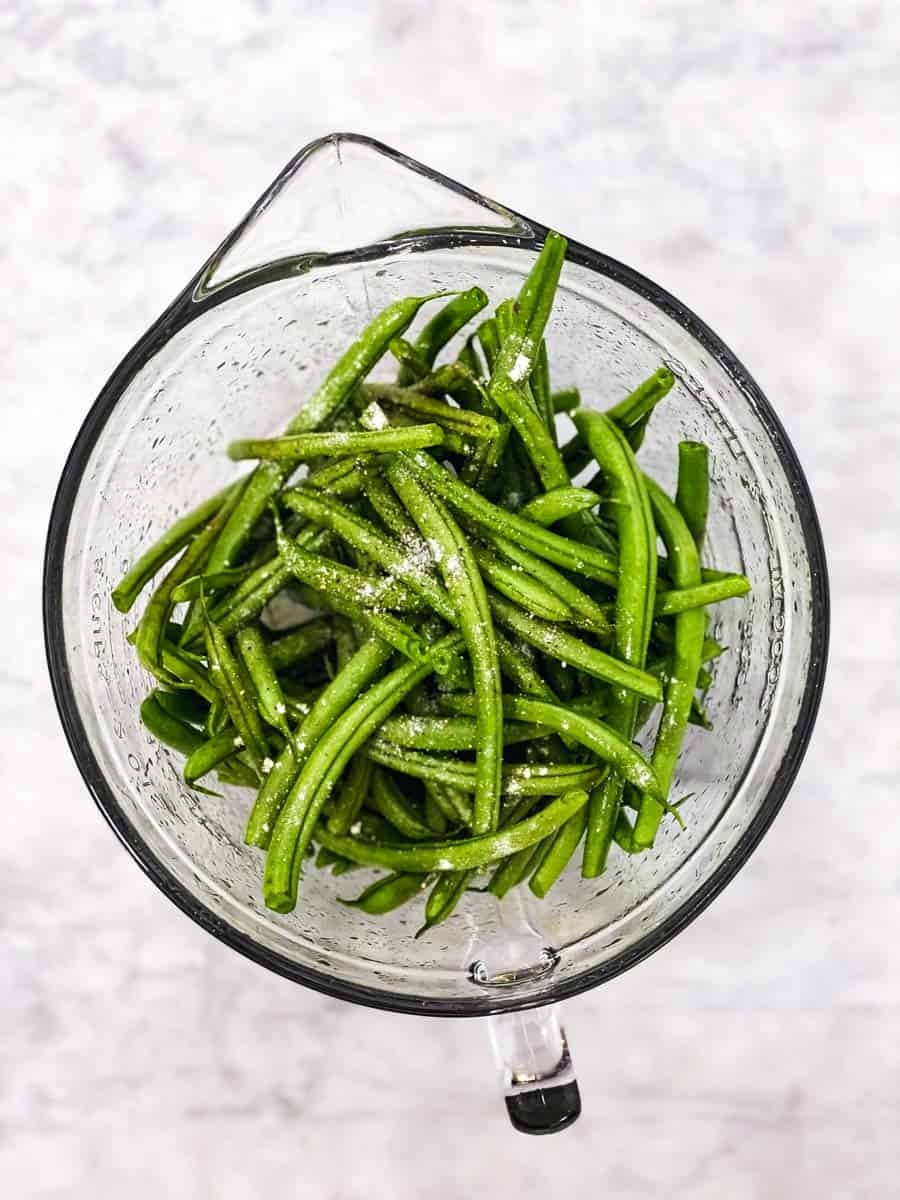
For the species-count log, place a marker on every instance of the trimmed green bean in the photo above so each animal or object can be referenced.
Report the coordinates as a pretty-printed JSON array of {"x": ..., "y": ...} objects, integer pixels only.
[
  {"x": 354, "y": 790},
  {"x": 634, "y": 608},
  {"x": 296, "y": 823},
  {"x": 449, "y": 733},
  {"x": 473, "y": 852},
  {"x": 387, "y": 894},
  {"x": 692, "y": 494},
  {"x": 459, "y": 570},
  {"x": 523, "y": 589},
  {"x": 261, "y": 669},
  {"x": 386, "y": 798},
  {"x": 558, "y": 503},
  {"x": 444, "y": 325},
  {"x": 303, "y": 446},
  {"x": 565, "y": 400}
]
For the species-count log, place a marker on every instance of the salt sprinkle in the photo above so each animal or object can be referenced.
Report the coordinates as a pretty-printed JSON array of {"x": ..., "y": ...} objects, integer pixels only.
[
  {"x": 281, "y": 709},
  {"x": 356, "y": 828},
  {"x": 519, "y": 368},
  {"x": 266, "y": 765},
  {"x": 238, "y": 742}
]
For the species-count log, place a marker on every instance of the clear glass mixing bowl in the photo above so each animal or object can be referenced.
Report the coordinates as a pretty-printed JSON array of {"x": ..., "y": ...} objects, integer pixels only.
[{"x": 347, "y": 227}]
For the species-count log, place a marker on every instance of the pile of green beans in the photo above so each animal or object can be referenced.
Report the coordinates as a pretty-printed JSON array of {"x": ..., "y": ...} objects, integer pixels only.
[{"x": 478, "y": 637}]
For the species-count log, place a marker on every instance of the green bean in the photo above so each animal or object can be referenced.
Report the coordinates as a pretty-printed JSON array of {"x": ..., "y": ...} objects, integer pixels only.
[
  {"x": 520, "y": 670},
  {"x": 565, "y": 400},
  {"x": 453, "y": 803},
  {"x": 212, "y": 753},
  {"x": 449, "y": 733},
  {"x": 298, "y": 818},
  {"x": 183, "y": 670},
  {"x": 517, "y": 779},
  {"x": 261, "y": 669},
  {"x": 304, "y": 446},
  {"x": 576, "y": 455},
  {"x": 391, "y": 512},
  {"x": 558, "y": 503},
  {"x": 168, "y": 729},
  {"x": 175, "y": 538},
  {"x": 445, "y": 324},
  {"x": 346, "y": 477},
  {"x": 560, "y": 850},
  {"x": 412, "y": 365},
  {"x": 351, "y": 593},
  {"x": 434, "y": 815},
  {"x": 513, "y": 870},
  {"x": 387, "y": 894},
  {"x": 152, "y": 627},
  {"x": 459, "y": 570},
  {"x": 692, "y": 496},
  {"x": 634, "y": 608},
  {"x": 641, "y": 402},
  {"x": 301, "y": 643},
  {"x": 584, "y": 560},
  {"x": 586, "y": 611},
  {"x": 690, "y": 628},
  {"x": 354, "y": 790},
  {"x": 525, "y": 590},
  {"x": 386, "y": 798},
  {"x": 365, "y": 666},
  {"x": 183, "y": 705},
  {"x": 322, "y": 406},
  {"x": 489, "y": 340},
  {"x": 249, "y": 598},
  {"x": 540, "y": 389},
  {"x": 596, "y": 736},
  {"x": 468, "y": 357},
  {"x": 569, "y": 649},
  {"x": 231, "y": 682},
  {"x": 391, "y": 556},
  {"x": 472, "y": 852},
  {"x": 460, "y": 420},
  {"x": 443, "y": 898},
  {"x": 680, "y": 600}
]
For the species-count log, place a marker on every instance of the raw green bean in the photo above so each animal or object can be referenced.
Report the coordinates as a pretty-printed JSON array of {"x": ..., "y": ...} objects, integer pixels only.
[
  {"x": 692, "y": 496},
  {"x": 565, "y": 400},
  {"x": 464, "y": 855},
  {"x": 391, "y": 556},
  {"x": 586, "y": 610},
  {"x": 468, "y": 357},
  {"x": 680, "y": 600},
  {"x": 444, "y": 897},
  {"x": 564, "y": 844},
  {"x": 434, "y": 815},
  {"x": 444, "y": 326},
  {"x": 690, "y": 628},
  {"x": 596, "y": 736},
  {"x": 261, "y": 669},
  {"x": 511, "y": 872},
  {"x": 449, "y": 733},
  {"x": 351, "y": 593},
  {"x": 569, "y": 649},
  {"x": 169, "y": 730},
  {"x": 641, "y": 402},
  {"x": 634, "y": 608},
  {"x": 303, "y": 446},
  {"x": 386, "y": 798},
  {"x": 540, "y": 389},
  {"x": 183, "y": 705},
  {"x": 232, "y": 684},
  {"x": 517, "y": 779},
  {"x": 354, "y": 790},
  {"x": 459, "y": 570},
  {"x": 385, "y": 895},
  {"x": 558, "y": 503},
  {"x": 520, "y": 670},
  {"x": 365, "y": 666},
  {"x": 175, "y": 538},
  {"x": 584, "y": 560},
  {"x": 412, "y": 365},
  {"x": 460, "y": 420},
  {"x": 298, "y": 818},
  {"x": 523, "y": 589},
  {"x": 454, "y": 804},
  {"x": 212, "y": 753},
  {"x": 301, "y": 643}
]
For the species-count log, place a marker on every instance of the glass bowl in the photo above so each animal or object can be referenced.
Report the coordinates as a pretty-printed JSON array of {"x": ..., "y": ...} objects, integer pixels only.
[{"x": 347, "y": 227}]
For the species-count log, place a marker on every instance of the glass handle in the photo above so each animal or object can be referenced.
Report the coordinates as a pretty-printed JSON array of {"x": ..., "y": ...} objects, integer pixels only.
[{"x": 535, "y": 1067}]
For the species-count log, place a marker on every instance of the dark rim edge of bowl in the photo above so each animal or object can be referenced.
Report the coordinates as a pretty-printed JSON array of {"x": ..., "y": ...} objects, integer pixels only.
[{"x": 186, "y": 308}]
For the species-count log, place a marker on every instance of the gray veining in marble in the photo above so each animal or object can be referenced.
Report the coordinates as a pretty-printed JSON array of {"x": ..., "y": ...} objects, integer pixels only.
[{"x": 745, "y": 155}]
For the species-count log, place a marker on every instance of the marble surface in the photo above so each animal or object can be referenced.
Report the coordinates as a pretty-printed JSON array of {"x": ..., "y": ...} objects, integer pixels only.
[{"x": 745, "y": 156}]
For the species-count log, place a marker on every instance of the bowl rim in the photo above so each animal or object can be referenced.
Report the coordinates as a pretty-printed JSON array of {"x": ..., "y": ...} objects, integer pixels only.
[{"x": 187, "y": 305}]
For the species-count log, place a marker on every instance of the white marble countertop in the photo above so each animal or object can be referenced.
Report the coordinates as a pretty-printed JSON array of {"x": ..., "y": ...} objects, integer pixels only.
[{"x": 745, "y": 155}]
